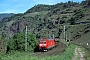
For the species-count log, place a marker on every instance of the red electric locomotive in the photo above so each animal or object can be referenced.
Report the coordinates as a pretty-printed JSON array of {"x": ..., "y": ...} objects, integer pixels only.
[{"x": 45, "y": 44}]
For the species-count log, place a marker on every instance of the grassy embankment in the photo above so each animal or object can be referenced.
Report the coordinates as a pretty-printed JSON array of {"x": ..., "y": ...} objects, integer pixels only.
[{"x": 86, "y": 53}]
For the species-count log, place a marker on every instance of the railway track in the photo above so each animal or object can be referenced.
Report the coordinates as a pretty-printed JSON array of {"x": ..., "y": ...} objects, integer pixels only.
[{"x": 54, "y": 51}]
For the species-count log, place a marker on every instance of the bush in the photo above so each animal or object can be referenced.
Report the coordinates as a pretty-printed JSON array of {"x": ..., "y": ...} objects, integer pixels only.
[
  {"x": 17, "y": 42},
  {"x": 72, "y": 21}
]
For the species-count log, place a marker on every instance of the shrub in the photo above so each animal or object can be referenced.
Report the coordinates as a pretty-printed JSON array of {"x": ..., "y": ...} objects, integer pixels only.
[{"x": 17, "y": 42}]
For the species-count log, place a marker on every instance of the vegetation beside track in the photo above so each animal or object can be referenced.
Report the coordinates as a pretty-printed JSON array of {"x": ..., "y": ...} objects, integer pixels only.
[{"x": 66, "y": 55}]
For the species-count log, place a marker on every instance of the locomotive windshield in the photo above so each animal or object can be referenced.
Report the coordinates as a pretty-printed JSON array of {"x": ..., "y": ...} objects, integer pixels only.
[{"x": 42, "y": 42}]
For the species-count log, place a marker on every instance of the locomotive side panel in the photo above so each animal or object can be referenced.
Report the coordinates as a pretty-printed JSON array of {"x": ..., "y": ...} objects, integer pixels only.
[{"x": 51, "y": 43}]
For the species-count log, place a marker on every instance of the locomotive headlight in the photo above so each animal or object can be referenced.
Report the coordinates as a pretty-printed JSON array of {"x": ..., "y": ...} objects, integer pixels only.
[
  {"x": 40, "y": 44},
  {"x": 44, "y": 44}
]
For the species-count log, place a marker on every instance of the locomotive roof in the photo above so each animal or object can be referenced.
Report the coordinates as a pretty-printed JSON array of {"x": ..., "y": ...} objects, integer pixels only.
[
  {"x": 47, "y": 39},
  {"x": 50, "y": 39}
]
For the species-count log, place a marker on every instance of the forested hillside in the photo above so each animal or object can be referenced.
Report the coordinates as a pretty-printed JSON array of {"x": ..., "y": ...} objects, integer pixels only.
[
  {"x": 40, "y": 19},
  {"x": 46, "y": 20},
  {"x": 3, "y": 15}
]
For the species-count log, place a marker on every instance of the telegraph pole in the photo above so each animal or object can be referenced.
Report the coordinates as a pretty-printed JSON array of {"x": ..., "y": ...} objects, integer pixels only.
[
  {"x": 66, "y": 37},
  {"x": 26, "y": 39},
  {"x": 64, "y": 32},
  {"x": 53, "y": 36}
]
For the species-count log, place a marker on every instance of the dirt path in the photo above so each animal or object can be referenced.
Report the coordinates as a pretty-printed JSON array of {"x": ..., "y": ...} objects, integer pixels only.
[{"x": 78, "y": 54}]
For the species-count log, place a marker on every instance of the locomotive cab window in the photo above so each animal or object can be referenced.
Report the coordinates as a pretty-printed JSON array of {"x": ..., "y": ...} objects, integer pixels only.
[{"x": 42, "y": 42}]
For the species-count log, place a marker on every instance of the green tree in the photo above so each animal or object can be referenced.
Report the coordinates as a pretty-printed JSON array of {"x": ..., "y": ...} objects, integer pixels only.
[
  {"x": 72, "y": 21},
  {"x": 86, "y": 2},
  {"x": 3, "y": 36},
  {"x": 32, "y": 42},
  {"x": 17, "y": 42}
]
